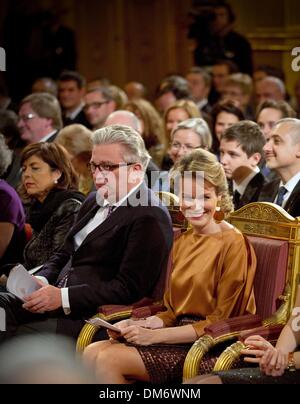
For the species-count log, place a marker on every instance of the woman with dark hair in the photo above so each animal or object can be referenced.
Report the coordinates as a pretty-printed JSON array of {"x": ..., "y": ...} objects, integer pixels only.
[
  {"x": 224, "y": 114},
  {"x": 12, "y": 217},
  {"x": 50, "y": 183}
]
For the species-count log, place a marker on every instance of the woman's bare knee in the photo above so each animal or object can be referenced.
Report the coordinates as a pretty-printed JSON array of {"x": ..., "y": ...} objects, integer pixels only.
[{"x": 92, "y": 351}]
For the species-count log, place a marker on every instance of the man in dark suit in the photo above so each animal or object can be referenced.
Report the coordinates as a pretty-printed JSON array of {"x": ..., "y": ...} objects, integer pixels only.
[
  {"x": 282, "y": 153},
  {"x": 117, "y": 248},
  {"x": 241, "y": 149}
]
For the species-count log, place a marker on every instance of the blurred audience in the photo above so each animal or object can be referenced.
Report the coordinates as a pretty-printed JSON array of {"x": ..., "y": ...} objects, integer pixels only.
[
  {"x": 134, "y": 90},
  {"x": 224, "y": 115},
  {"x": 172, "y": 88},
  {"x": 99, "y": 103},
  {"x": 77, "y": 140},
  {"x": 40, "y": 118},
  {"x": 270, "y": 88},
  {"x": 151, "y": 127},
  {"x": 269, "y": 112},
  {"x": 44, "y": 85},
  {"x": 71, "y": 90}
]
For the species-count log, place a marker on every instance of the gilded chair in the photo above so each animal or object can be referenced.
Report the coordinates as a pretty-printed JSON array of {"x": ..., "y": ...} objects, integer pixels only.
[
  {"x": 275, "y": 236},
  {"x": 147, "y": 306}
]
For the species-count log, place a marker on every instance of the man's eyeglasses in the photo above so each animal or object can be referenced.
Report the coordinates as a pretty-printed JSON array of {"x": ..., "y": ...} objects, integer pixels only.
[
  {"x": 106, "y": 167},
  {"x": 95, "y": 104},
  {"x": 26, "y": 117}
]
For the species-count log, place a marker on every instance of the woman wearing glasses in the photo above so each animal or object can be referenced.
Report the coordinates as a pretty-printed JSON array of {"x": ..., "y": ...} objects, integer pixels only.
[
  {"x": 49, "y": 184},
  {"x": 185, "y": 137},
  {"x": 212, "y": 278}
]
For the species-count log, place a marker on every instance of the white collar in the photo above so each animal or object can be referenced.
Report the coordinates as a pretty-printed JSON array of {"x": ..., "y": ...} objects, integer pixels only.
[
  {"x": 292, "y": 182},
  {"x": 120, "y": 202},
  {"x": 45, "y": 138},
  {"x": 72, "y": 114},
  {"x": 243, "y": 185}
]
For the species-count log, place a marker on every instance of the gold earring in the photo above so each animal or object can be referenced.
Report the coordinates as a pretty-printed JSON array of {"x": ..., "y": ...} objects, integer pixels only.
[{"x": 219, "y": 214}]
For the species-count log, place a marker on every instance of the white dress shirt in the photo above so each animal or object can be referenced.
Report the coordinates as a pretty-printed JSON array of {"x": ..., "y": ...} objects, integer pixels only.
[
  {"x": 96, "y": 221},
  {"x": 243, "y": 185}
]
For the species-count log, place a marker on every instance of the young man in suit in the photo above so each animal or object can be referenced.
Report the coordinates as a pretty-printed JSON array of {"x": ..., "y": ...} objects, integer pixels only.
[
  {"x": 115, "y": 252},
  {"x": 241, "y": 149},
  {"x": 282, "y": 152}
]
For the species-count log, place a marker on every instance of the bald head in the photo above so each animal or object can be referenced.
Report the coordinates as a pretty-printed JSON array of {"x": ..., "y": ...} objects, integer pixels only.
[
  {"x": 291, "y": 126},
  {"x": 270, "y": 88},
  {"x": 134, "y": 90},
  {"x": 122, "y": 117}
]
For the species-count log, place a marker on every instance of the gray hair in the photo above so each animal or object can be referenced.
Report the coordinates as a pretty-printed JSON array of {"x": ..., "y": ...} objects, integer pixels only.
[
  {"x": 294, "y": 127},
  {"x": 200, "y": 127},
  {"x": 277, "y": 81},
  {"x": 6, "y": 156},
  {"x": 126, "y": 136}
]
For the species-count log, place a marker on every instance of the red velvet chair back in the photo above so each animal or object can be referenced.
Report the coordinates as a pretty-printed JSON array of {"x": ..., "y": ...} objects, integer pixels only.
[{"x": 269, "y": 283}]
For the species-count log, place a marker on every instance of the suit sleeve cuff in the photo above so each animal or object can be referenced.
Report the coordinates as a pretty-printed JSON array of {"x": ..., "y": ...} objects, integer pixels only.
[{"x": 65, "y": 300}]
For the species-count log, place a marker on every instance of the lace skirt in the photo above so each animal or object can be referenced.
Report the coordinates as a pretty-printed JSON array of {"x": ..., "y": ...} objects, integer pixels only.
[{"x": 254, "y": 376}]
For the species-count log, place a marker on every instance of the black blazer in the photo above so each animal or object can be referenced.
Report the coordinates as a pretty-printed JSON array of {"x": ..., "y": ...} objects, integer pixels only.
[
  {"x": 252, "y": 191},
  {"x": 119, "y": 262},
  {"x": 292, "y": 205}
]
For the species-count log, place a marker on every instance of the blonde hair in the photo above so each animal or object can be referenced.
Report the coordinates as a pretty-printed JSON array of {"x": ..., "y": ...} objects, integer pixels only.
[
  {"x": 202, "y": 160},
  {"x": 76, "y": 139}
]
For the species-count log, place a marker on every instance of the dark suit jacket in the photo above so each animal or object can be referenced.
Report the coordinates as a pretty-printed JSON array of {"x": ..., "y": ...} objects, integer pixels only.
[
  {"x": 79, "y": 118},
  {"x": 53, "y": 137},
  {"x": 292, "y": 205},
  {"x": 252, "y": 191},
  {"x": 119, "y": 262}
]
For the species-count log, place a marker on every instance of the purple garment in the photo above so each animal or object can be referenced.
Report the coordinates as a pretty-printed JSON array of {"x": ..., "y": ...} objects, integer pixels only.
[
  {"x": 11, "y": 208},
  {"x": 11, "y": 211}
]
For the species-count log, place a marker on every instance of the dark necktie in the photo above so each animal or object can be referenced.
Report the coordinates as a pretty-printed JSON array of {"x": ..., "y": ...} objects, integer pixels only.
[
  {"x": 111, "y": 208},
  {"x": 236, "y": 198},
  {"x": 281, "y": 192},
  {"x": 61, "y": 283}
]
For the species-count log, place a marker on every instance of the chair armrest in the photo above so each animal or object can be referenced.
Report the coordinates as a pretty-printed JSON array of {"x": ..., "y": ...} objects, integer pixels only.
[
  {"x": 220, "y": 331},
  {"x": 233, "y": 353},
  {"x": 270, "y": 333},
  {"x": 224, "y": 329},
  {"x": 114, "y": 312}
]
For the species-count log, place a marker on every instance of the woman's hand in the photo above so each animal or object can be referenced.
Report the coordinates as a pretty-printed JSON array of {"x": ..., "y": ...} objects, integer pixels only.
[
  {"x": 271, "y": 360},
  {"x": 147, "y": 324},
  {"x": 138, "y": 335},
  {"x": 256, "y": 346}
]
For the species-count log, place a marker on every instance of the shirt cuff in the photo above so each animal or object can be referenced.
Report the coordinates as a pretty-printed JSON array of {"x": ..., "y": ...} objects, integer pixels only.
[
  {"x": 43, "y": 279},
  {"x": 65, "y": 300}
]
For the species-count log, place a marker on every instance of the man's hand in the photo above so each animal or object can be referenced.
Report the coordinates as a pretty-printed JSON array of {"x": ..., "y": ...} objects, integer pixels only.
[{"x": 47, "y": 298}]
